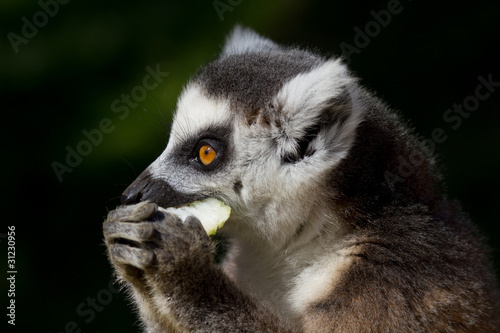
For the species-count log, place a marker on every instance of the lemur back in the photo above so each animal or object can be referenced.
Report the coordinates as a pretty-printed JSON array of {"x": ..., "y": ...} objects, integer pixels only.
[{"x": 326, "y": 233}]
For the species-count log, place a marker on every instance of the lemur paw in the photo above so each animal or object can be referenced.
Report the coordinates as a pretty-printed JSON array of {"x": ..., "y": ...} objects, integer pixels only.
[{"x": 143, "y": 241}]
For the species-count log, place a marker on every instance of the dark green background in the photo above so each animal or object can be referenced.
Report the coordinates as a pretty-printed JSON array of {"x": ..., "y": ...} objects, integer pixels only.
[{"x": 65, "y": 78}]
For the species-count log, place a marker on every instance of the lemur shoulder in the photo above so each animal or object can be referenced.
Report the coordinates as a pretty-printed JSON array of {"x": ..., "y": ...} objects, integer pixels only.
[{"x": 319, "y": 238}]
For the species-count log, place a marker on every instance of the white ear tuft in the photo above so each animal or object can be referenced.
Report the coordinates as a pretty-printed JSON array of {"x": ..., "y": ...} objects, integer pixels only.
[
  {"x": 314, "y": 90},
  {"x": 309, "y": 99},
  {"x": 243, "y": 40}
]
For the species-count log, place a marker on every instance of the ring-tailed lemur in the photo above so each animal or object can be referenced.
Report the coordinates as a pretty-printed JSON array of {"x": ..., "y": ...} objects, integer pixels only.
[{"x": 320, "y": 239}]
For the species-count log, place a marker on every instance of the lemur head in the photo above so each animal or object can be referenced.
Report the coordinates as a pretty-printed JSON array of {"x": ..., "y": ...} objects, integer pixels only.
[{"x": 259, "y": 128}]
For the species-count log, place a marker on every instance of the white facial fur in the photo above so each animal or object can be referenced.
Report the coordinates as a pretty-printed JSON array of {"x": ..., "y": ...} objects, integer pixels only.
[
  {"x": 271, "y": 199},
  {"x": 195, "y": 112},
  {"x": 276, "y": 197}
]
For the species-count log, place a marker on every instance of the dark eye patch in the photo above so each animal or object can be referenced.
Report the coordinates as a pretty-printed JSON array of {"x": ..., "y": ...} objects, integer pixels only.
[{"x": 218, "y": 137}]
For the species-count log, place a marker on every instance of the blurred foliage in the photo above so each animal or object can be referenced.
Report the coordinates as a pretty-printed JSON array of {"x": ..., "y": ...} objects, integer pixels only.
[{"x": 64, "y": 80}]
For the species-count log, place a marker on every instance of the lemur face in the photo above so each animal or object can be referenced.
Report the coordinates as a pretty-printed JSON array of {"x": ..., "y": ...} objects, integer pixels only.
[{"x": 258, "y": 129}]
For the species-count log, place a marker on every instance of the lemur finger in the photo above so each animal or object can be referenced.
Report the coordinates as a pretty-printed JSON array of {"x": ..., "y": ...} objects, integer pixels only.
[
  {"x": 133, "y": 213},
  {"x": 124, "y": 254},
  {"x": 167, "y": 219},
  {"x": 132, "y": 231},
  {"x": 195, "y": 225}
]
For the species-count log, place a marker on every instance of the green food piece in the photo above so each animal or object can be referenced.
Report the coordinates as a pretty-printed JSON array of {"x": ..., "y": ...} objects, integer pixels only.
[{"x": 211, "y": 212}]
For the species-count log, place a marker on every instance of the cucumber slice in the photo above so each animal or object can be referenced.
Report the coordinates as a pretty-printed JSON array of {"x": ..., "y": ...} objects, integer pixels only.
[{"x": 211, "y": 212}]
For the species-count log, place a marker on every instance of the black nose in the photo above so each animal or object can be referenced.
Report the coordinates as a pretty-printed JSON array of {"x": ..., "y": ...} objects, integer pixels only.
[
  {"x": 130, "y": 198},
  {"x": 135, "y": 192},
  {"x": 147, "y": 187}
]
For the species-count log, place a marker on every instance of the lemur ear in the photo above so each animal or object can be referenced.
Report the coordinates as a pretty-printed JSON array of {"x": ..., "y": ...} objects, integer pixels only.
[
  {"x": 316, "y": 113},
  {"x": 242, "y": 40}
]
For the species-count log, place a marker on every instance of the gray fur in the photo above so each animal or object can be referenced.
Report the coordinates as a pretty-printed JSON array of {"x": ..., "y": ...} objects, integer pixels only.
[
  {"x": 252, "y": 70},
  {"x": 319, "y": 239},
  {"x": 243, "y": 40}
]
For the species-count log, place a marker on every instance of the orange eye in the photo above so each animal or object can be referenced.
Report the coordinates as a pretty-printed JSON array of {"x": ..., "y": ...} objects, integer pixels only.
[{"x": 207, "y": 154}]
